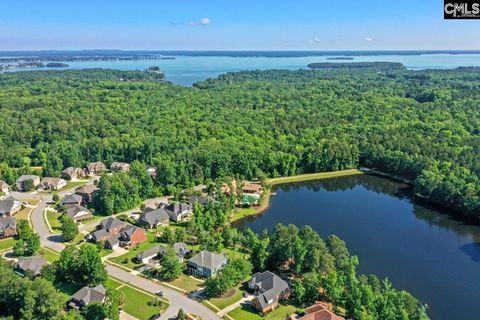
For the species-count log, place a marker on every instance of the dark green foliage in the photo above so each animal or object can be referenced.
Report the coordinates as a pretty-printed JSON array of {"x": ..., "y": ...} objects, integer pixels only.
[
  {"x": 171, "y": 266},
  {"x": 231, "y": 275},
  {"x": 29, "y": 241},
  {"x": 69, "y": 228},
  {"x": 274, "y": 122}
]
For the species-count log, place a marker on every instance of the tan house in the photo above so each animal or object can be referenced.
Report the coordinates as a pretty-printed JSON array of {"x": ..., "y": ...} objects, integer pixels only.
[
  {"x": 87, "y": 192},
  {"x": 9, "y": 206},
  {"x": 50, "y": 183},
  {"x": 119, "y": 167},
  {"x": 78, "y": 213},
  {"x": 251, "y": 188},
  {"x": 73, "y": 173},
  {"x": 318, "y": 311},
  {"x": 4, "y": 187},
  {"x": 96, "y": 168},
  {"x": 229, "y": 187},
  {"x": 20, "y": 183}
]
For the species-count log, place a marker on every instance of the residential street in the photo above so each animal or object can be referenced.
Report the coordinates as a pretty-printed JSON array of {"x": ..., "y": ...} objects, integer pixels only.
[{"x": 52, "y": 241}]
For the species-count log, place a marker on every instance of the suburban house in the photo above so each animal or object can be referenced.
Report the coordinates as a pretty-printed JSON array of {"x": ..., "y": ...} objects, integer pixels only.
[
  {"x": 87, "y": 295},
  {"x": 318, "y": 312},
  {"x": 206, "y": 263},
  {"x": 50, "y": 183},
  {"x": 108, "y": 228},
  {"x": 87, "y": 192},
  {"x": 4, "y": 187},
  {"x": 119, "y": 167},
  {"x": 20, "y": 183},
  {"x": 71, "y": 199},
  {"x": 153, "y": 253},
  {"x": 78, "y": 213},
  {"x": 152, "y": 171},
  {"x": 152, "y": 218},
  {"x": 200, "y": 200},
  {"x": 30, "y": 265},
  {"x": 251, "y": 188},
  {"x": 177, "y": 211},
  {"x": 229, "y": 187},
  {"x": 268, "y": 289},
  {"x": 8, "y": 227},
  {"x": 73, "y": 173},
  {"x": 9, "y": 206},
  {"x": 96, "y": 168},
  {"x": 129, "y": 236},
  {"x": 181, "y": 250}
]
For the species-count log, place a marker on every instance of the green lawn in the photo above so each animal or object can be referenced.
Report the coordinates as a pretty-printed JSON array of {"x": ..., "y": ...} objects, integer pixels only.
[
  {"x": 240, "y": 213},
  {"x": 247, "y": 312},
  {"x": 228, "y": 298},
  {"x": 136, "y": 303},
  {"x": 186, "y": 283},
  {"x": 7, "y": 243},
  {"x": 23, "y": 214},
  {"x": 48, "y": 255},
  {"x": 127, "y": 260},
  {"x": 112, "y": 284},
  {"x": 54, "y": 221}
]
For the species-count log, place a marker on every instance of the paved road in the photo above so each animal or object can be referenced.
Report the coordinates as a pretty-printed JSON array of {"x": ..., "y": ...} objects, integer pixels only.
[{"x": 52, "y": 241}]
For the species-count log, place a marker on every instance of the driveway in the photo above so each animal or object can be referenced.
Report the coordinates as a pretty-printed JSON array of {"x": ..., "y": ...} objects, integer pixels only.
[{"x": 54, "y": 242}]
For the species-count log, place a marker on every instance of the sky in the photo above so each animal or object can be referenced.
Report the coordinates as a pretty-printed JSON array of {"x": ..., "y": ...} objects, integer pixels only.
[{"x": 233, "y": 25}]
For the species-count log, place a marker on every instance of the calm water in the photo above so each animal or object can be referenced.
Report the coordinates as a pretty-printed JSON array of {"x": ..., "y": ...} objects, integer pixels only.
[
  {"x": 419, "y": 250},
  {"x": 186, "y": 70}
]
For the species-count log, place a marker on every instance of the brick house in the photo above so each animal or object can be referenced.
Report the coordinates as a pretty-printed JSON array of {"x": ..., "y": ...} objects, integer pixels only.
[
  {"x": 8, "y": 227},
  {"x": 50, "y": 183},
  {"x": 73, "y": 173},
  {"x": 269, "y": 289},
  {"x": 96, "y": 168}
]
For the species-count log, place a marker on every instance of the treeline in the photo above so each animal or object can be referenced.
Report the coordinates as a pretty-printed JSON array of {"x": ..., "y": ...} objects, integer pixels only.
[
  {"x": 325, "y": 270},
  {"x": 251, "y": 123},
  {"x": 379, "y": 66}
]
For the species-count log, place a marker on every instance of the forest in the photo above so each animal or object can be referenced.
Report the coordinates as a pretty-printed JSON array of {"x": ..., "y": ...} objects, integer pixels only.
[{"x": 421, "y": 125}]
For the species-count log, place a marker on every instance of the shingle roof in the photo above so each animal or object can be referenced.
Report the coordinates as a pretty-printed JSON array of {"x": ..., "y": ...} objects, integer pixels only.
[
  {"x": 100, "y": 234},
  {"x": 129, "y": 230},
  {"x": 27, "y": 177},
  {"x": 270, "y": 286},
  {"x": 6, "y": 205},
  {"x": 89, "y": 189},
  {"x": 8, "y": 222},
  {"x": 33, "y": 264},
  {"x": 111, "y": 223},
  {"x": 154, "y": 216},
  {"x": 73, "y": 210},
  {"x": 87, "y": 295},
  {"x": 71, "y": 199},
  {"x": 208, "y": 259},
  {"x": 319, "y": 312},
  {"x": 152, "y": 252}
]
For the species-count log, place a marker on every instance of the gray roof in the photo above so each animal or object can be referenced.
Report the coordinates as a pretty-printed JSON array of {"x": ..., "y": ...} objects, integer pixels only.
[
  {"x": 89, "y": 189},
  {"x": 111, "y": 223},
  {"x": 208, "y": 259},
  {"x": 100, "y": 234},
  {"x": 27, "y": 177},
  {"x": 71, "y": 199},
  {"x": 6, "y": 205},
  {"x": 74, "y": 209},
  {"x": 197, "y": 199},
  {"x": 33, "y": 264},
  {"x": 180, "y": 248},
  {"x": 154, "y": 216},
  {"x": 8, "y": 222},
  {"x": 87, "y": 295},
  {"x": 270, "y": 286},
  {"x": 176, "y": 208},
  {"x": 129, "y": 230},
  {"x": 113, "y": 241},
  {"x": 152, "y": 252}
]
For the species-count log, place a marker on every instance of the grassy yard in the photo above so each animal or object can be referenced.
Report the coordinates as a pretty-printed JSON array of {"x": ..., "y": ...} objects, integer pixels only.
[
  {"x": 23, "y": 214},
  {"x": 70, "y": 185},
  {"x": 54, "y": 221},
  {"x": 186, "y": 283},
  {"x": 247, "y": 312},
  {"x": 314, "y": 176},
  {"x": 48, "y": 255},
  {"x": 240, "y": 213},
  {"x": 137, "y": 303},
  {"x": 228, "y": 298},
  {"x": 127, "y": 260},
  {"x": 7, "y": 243},
  {"x": 112, "y": 284}
]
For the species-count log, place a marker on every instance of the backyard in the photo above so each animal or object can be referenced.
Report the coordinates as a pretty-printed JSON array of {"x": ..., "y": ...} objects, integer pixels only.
[
  {"x": 247, "y": 312},
  {"x": 127, "y": 260},
  {"x": 137, "y": 303}
]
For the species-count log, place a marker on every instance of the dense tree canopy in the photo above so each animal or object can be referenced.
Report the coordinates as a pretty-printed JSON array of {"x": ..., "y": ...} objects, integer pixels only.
[{"x": 422, "y": 125}]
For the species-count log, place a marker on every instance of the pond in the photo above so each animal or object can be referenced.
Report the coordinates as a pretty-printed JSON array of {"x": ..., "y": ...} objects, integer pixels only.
[{"x": 420, "y": 250}]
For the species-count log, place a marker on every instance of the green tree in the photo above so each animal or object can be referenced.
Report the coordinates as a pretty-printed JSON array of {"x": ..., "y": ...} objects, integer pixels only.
[
  {"x": 171, "y": 266},
  {"x": 69, "y": 228}
]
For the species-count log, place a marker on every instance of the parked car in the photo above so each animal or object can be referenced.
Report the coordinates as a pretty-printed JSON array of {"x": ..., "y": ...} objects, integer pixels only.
[{"x": 159, "y": 293}]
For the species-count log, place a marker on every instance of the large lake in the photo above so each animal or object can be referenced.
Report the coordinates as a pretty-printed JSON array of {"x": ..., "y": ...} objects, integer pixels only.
[
  {"x": 186, "y": 70},
  {"x": 420, "y": 250}
]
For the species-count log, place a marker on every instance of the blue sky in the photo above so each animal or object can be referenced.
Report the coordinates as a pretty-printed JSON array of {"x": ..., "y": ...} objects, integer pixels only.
[{"x": 232, "y": 25}]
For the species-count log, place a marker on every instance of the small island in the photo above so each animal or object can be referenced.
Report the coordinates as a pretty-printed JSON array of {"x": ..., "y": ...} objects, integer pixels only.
[
  {"x": 56, "y": 65},
  {"x": 340, "y": 58},
  {"x": 379, "y": 66}
]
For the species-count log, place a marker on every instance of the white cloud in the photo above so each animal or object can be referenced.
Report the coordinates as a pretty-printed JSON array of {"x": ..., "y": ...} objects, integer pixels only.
[
  {"x": 201, "y": 22},
  {"x": 314, "y": 40},
  {"x": 368, "y": 39}
]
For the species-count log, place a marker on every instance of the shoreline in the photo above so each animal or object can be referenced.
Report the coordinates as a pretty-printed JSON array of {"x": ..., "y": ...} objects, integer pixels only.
[{"x": 265, "y": 204}]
